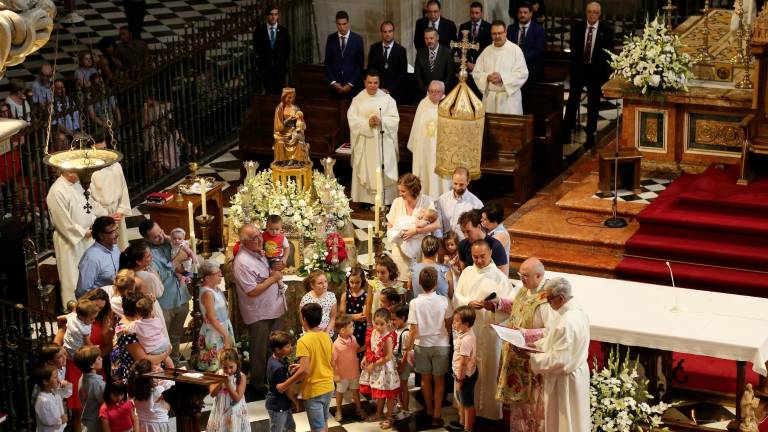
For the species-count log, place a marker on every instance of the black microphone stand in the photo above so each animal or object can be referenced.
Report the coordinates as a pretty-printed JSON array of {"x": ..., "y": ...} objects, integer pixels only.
[
  {"x": 615, "y": 221},
  {"x": 381, "y": 158}
]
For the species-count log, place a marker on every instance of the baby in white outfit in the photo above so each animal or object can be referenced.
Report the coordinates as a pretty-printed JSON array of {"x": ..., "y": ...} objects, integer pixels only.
[
  {"x": 178, "y": 244},
  {"x": 419, "y": 219}
]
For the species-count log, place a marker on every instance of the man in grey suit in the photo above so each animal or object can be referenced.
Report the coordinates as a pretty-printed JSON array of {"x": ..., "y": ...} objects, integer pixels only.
[{"x": 434, "y": 62}]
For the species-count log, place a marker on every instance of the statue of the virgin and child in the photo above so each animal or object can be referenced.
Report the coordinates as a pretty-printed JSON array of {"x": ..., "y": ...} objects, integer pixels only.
[{"x": 291, "y": 149}]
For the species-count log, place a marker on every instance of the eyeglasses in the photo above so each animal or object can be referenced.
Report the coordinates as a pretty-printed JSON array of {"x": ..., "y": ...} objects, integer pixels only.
[{"x": 522, "y": 275}]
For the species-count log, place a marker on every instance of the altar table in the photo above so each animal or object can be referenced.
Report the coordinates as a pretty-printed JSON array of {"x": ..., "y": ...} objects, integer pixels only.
[{"x": 726, "y": 326}]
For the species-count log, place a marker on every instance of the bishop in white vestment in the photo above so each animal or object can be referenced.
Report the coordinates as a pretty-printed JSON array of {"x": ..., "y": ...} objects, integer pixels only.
[
  {"x": 475, "y": 284},
  {"x": 365, "y": 124},
  {"x": 72, "y": 228},
  {"x": 108, "y": 188},
  {"x": 564, "y": 363},
  {"x": 500, "y": 72},
  {"x": 423, "y": 143}
]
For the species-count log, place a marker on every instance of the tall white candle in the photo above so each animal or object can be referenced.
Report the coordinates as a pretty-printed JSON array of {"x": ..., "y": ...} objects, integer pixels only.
[
  {"x": 379, "y": 186},
  {"x": 370, "y": 244},
  {"x": 191, "y": 212},
  {"x": 376, "y": 211},
  {"x": 202, "y": 196}
]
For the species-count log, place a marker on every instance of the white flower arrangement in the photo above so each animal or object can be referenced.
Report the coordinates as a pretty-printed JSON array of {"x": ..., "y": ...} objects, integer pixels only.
[
  {"x": 653, "y": 60},
  {"x": 619, "y": 399},
  {"x": 261, "y": 197}
]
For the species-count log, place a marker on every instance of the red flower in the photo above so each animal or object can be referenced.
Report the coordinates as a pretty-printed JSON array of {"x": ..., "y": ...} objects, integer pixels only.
[{"x": 341, "y": 249}]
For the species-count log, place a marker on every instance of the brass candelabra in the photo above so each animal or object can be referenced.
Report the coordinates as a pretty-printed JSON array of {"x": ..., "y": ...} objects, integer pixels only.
[
  {"x": 746, "y": 81},
  {"x": 204, "y": 221},
  {"x": 703, "y": 55},
  {"x": 669, "y": 9},
  {"x": 738, "y": 9}
]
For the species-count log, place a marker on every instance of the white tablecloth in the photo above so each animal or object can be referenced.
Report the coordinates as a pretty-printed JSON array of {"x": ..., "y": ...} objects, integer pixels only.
[{"x": 725, "y": 326}]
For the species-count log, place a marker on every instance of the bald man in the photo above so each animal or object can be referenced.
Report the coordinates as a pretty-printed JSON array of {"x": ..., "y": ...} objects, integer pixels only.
[
  {"x": 528, "y": 310},
  {"x": 423, "y": 143}
]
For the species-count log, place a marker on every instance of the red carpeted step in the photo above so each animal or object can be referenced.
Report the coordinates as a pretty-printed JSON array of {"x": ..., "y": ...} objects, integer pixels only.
[
  {"x": 717, "y": 188},
  {"x": 694, "y": 276},
  {"x": 667, "y": 211},
  {"x": 709, "y": 373},
  {"x": 706, "y": 247}
]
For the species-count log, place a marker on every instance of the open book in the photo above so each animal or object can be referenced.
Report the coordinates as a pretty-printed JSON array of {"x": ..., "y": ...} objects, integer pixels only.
[{"x": 513, "y": 336}]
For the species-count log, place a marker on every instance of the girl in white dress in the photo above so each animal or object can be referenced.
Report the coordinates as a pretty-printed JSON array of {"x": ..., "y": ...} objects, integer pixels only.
[
  {"x": 229, "y": 413},
  {"x": 147, "y": 393}
]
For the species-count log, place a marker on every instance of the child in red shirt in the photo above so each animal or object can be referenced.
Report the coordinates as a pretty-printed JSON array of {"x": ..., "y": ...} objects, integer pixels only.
[{"x": 117, "y": 413}]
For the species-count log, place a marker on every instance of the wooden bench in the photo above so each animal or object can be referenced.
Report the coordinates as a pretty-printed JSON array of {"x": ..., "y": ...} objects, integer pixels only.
[{"x": 545, "y": 102}]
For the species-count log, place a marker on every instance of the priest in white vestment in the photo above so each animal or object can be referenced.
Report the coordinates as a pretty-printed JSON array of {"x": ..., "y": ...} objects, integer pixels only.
[
  {"x": 500, "y": 72},
  {"x": 476, "y": 283},
  {"x": 109, "y": 188},
  {"x": 72, "y": 228},
  {"x": 423, "y": 143},
  {"x": 366, "y": 121},
  {"x": 564, "y": 362}
]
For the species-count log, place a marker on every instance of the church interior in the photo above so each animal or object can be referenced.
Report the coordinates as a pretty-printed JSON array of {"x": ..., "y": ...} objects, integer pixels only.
[{"x": 619, "y": 146}]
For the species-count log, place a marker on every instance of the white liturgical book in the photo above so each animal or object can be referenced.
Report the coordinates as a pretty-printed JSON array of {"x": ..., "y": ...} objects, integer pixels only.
[{"x": 513, "y": 336}]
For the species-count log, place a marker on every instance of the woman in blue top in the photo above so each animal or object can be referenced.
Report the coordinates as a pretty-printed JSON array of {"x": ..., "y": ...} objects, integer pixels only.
[
  {"x": 430, "y": 245},
  {"x": 216, "y": 333}
]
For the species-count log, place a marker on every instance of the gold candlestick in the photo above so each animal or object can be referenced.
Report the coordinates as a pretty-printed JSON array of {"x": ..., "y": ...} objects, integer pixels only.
[
  {"x": 738, "y": 9},
  {"x": 197, "y": 319},
  {"x": 193, "y": 171},
  {"x": 746, "y": 81},
  {"x": 703, "y": 55},
  {"x": 669, "y": 8},
  {"x": 204, "y": 221}
]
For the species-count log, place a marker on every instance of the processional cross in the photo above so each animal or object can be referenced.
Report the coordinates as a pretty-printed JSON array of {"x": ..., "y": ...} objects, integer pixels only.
[{"x": 465, "y": 45}]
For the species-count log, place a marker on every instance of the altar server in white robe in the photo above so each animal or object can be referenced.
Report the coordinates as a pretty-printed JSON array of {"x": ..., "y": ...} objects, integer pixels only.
[
  {"x": 423, "y": 143},
  {"x": 72, "y": 228},
  {"x": 500, "y": 72},
  {"x": 109, "y": 188},
  {"x": 564, "y": 362},
  {"x": 476, "y": 283},
  {"x": 365, "y": 124}
]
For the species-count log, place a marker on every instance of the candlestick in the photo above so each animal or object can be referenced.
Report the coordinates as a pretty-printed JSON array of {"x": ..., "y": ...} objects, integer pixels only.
[
  {"x": 370, "y": 244},
  {"x": 193, "y": 244},
  {"x": 191, "y": 212},
  {"x": 376, "y": 211},
  {"x": 379, "y": 186},
  {"x": 202, "y": 195},
  {"x": 205, "y": 221}
]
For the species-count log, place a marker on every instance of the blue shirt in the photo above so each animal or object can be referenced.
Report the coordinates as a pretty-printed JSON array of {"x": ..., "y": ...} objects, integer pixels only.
[
  {"x": 277, "y": 372},
  {"x": 442, "y": 282},
  {"x": 497, "y": 252},
  {"x": 97, "y": 268},
  {"x": 176, "y": 293}
]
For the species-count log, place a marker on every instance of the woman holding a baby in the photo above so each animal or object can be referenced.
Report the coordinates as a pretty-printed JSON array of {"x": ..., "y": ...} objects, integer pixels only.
[{"x": 411, "y": 217}]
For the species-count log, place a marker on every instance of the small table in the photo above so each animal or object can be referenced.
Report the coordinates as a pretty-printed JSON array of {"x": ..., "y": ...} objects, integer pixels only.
[
  {"x": 186, "y": 397},
  {"x": 629, "y": 168},
  {"x": 174, "y": 214}
]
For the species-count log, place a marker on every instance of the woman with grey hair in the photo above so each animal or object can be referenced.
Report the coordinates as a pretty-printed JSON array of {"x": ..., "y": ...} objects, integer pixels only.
[{"x": 216, "y": 333}]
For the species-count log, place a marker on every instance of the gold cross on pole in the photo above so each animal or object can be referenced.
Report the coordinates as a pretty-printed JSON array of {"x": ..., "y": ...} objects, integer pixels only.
[{"x": 465, "y": 45}]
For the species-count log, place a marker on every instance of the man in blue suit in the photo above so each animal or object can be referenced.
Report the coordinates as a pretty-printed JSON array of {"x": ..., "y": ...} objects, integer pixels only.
[
  {"x": 344, "y": 59},
  {"x": 529, "y": 36}
]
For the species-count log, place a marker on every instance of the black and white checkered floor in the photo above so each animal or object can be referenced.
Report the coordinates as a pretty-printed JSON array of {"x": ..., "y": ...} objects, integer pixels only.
[{"x": 650, "y": 188}]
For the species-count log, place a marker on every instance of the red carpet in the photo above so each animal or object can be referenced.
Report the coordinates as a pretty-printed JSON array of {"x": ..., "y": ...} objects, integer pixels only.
[{"x": 713, "y": 232}]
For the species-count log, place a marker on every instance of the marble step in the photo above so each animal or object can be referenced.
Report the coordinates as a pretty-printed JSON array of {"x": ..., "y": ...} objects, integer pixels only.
[{"x": 578, "y": 259}]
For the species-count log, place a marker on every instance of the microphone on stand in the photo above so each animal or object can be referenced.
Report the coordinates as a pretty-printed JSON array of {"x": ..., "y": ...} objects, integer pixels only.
[
  {"x": 674, "y": 308},
  {"x": 381, "y": 156}
]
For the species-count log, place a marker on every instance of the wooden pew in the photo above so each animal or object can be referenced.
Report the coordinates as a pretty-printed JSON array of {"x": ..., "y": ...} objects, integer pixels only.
[{"x": 545, "y": 102}]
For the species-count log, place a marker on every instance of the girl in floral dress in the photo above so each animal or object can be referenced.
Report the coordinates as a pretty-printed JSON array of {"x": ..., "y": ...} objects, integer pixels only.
[
  {"x": 317, "y": 286},
  {"x": 386, "y": 277},
  {"x": 229, "y": 413},
  {"x": 216, "y": 333},
  {"x": 379, "y": 377},
  {"x": 353, "y": 303}
]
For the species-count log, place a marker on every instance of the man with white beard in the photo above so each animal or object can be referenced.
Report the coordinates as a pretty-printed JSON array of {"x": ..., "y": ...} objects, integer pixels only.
[
  {"x": 500, "y": 72},
  {"x": 423, "y": 143},
  {"x": 370, "y": 112}
]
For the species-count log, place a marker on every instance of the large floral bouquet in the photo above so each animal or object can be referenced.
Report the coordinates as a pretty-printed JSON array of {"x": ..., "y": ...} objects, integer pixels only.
[
  {"x": 619, "y": 399},
  {"x": 261, "y": 197},
  {"x": 653, "y": 60}
]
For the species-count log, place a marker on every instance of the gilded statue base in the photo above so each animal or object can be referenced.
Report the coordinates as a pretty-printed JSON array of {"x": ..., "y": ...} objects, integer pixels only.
[{"x": 298, "y": 171}]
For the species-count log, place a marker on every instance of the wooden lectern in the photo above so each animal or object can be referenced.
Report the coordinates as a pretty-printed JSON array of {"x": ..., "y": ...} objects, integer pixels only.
[
  {"x": 186, "y": 397},
  {"x": 175, "y": 214}
]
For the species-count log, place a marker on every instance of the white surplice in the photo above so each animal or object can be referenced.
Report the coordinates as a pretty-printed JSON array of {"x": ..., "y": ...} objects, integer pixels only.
[
  {"x": 476, "y": 284},
  {"x": 508, "y": 60},
  {"x": 109, "y": 188},
  {"x": 71, "y": 223},
  {"x": 366, "y": 146},
  {"x": 566, "y": 373},
  {"x": 423, "y": 144}
]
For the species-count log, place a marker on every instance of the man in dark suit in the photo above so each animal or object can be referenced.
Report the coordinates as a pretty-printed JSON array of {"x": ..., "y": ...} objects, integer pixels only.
[
  {"x": 590, "y": 68},
  {"x": 344, "y": 59},
  {"x": 272, "y": 45},
  {"x": 434, "y": 62},
  {"x": 389, "y": 59},
  {"x": 445, "y": 27},
  {"x": 480, "y": 33},
  {"x": 529, "y": 36}
]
